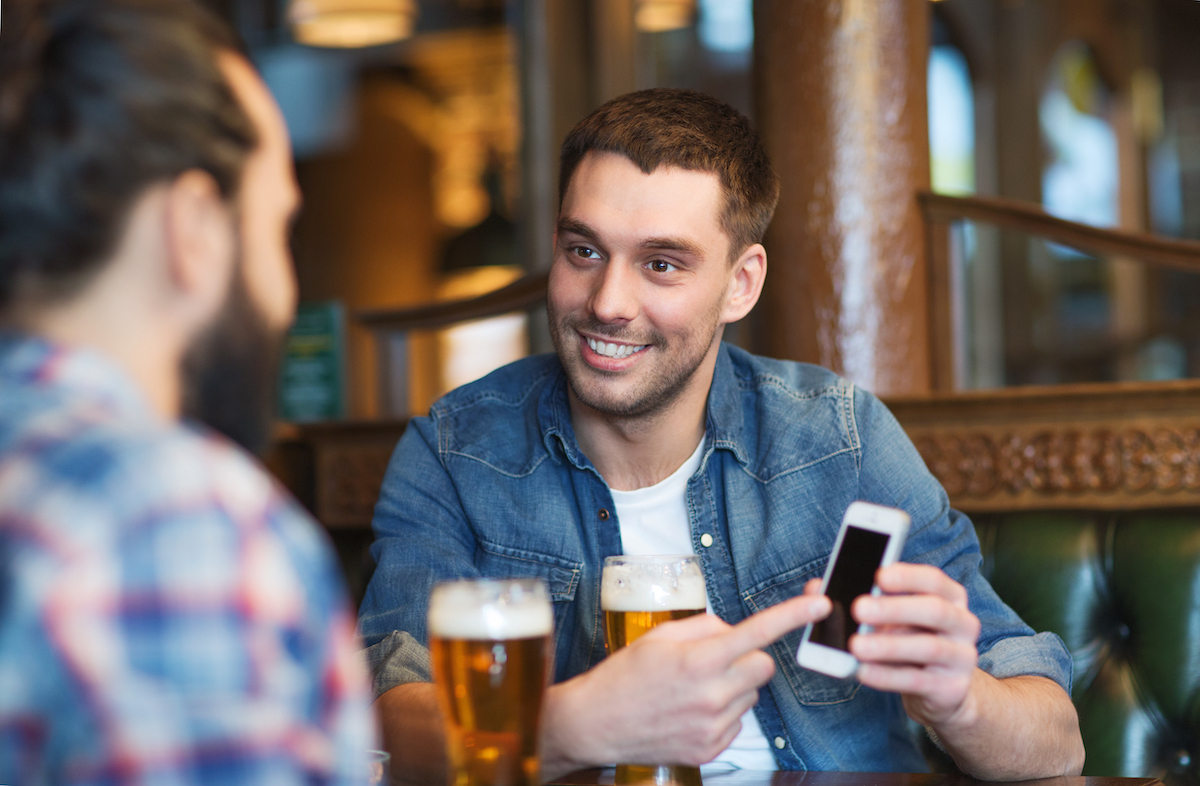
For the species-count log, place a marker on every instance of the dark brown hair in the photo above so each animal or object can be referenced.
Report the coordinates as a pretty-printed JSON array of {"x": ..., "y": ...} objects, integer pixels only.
[
  {"x": 99, "y": 100},
  {"x": 689, "y": 130}
]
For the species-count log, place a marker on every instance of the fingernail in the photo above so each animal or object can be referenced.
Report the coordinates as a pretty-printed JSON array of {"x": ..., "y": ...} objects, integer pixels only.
[{"x": 819, "y": 606}]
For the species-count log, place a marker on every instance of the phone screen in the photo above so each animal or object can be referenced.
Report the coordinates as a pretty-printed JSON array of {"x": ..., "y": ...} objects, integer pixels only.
[{"x": 853, "y": 575}]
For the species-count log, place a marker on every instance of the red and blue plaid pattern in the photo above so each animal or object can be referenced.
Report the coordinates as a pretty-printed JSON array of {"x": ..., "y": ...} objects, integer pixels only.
[{"x": 167, "y": 614}]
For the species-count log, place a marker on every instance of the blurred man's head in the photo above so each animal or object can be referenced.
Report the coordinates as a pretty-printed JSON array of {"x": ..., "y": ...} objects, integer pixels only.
[{"x": 145, "y": 178}]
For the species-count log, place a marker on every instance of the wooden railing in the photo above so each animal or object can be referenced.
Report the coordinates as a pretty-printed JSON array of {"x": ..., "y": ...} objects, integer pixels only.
[
  {"x": 942, "y": 212},
  {"x": 524, "y": 293},
  {"x": 391, "y": 328}
]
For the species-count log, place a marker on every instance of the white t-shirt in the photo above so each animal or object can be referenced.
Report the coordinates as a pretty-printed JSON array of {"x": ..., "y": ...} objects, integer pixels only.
[{"x": 654, "y": 520}]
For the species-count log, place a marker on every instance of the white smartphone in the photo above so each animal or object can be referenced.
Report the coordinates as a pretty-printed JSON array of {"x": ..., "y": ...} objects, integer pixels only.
[{"x": 870, "y": 537}]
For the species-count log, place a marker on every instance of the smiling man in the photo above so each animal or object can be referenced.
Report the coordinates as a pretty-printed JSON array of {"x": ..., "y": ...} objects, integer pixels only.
[{"x": 646, "y": 434}]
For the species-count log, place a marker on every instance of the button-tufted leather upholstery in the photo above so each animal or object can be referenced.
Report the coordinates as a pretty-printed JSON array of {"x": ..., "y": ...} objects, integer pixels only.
[{"x": 1123, "y": 591}]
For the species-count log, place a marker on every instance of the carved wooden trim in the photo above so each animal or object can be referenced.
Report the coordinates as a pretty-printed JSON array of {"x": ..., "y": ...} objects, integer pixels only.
[
  {"x": 1064, "y": 462},
  {"x": 1102, "y": 446}
]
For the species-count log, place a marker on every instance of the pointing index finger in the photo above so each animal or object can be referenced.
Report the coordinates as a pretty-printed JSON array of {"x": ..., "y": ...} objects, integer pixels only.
[{"x": 760, "y": 630}]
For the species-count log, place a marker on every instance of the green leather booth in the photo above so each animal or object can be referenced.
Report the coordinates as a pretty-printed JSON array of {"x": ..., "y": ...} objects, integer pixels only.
[{"x": 1123, "y": 591}]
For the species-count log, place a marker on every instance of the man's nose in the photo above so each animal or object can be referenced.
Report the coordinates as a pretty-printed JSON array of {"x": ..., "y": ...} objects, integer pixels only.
[{"x": 614, "y": 298}]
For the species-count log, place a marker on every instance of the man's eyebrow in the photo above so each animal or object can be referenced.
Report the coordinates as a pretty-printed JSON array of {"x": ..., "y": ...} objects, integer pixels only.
[
  {"x": 673, "y": 244},
  {"x": 576, "y": 227},
  {"x": 665, "y": 243}
]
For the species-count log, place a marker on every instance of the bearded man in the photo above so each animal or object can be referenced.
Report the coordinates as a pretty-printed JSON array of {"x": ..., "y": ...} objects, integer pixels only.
[
  {"x": 167, "y": 615},
  {"x": 646, "y": 434}
]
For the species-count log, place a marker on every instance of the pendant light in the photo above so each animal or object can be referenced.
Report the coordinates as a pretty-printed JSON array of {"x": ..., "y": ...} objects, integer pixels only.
[
  {"x": 351, "y": 23},
  {"x": 657, "y": 16}
]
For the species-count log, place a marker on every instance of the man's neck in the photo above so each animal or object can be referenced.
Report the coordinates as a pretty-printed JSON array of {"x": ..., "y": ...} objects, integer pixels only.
[
  {"x": 635, "y": 452},
  {"x": 134, "y": 347}
]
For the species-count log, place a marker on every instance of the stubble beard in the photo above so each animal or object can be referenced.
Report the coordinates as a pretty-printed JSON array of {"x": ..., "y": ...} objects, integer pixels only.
[{"x": 656, "y": 391}]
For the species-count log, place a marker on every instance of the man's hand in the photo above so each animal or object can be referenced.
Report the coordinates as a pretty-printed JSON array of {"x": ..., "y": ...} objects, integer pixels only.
[
  {"x": 924, "y": 644},
  {"x": 924, "y": 648},
  {"x": 674, "y": 696}
]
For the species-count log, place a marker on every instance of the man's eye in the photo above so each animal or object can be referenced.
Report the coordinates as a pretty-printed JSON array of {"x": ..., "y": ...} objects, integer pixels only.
[
  {"x": 661, "y": 266},
  {"x": 584, "y": 252}
]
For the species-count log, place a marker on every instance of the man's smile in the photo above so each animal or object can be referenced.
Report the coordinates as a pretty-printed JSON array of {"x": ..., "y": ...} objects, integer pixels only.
[
  {"x": 610, "y": 355},
  {"x": 613, "y": 350}
]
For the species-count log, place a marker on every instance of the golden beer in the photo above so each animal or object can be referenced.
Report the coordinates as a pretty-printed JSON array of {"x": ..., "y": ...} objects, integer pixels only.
[
  {"x": 490, "y": 643},
  {"x": 638, "y": 593},
  {"x": 623, "y": 627}
]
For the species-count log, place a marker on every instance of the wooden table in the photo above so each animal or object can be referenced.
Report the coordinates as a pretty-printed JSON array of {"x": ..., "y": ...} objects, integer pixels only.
[{"x": 604, "y": 777}]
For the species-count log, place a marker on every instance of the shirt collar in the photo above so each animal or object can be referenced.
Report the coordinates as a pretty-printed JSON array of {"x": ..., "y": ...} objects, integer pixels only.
[
  {"x": 724, "y": 421},
  {"x": 33, "y": 361},
  {"x": 554, "y": 417}
]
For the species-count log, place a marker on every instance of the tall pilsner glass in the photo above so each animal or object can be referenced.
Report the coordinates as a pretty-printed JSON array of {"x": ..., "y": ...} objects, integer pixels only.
[
  {"x": 636, "y": 594},
  {"x": 491, "y": 643}
]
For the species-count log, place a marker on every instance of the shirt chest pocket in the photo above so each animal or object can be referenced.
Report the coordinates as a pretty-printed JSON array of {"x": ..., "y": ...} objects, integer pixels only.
[
  {"x": 561, "y": 575},
  {"x": 810, "y": 687}
]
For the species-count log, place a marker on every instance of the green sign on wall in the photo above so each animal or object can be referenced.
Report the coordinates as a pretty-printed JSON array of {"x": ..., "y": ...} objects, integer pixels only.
[{"x": 313, "y": 378}]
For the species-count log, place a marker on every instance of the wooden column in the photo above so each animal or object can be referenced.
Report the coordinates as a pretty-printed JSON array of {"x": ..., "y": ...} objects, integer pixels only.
[{"x": 842, "y": 108}]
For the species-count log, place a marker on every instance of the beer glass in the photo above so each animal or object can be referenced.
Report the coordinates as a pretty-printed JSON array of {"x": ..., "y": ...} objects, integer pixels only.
[
  {"x": 491, "y": 647},
  {"x": 636, "y": 594}
]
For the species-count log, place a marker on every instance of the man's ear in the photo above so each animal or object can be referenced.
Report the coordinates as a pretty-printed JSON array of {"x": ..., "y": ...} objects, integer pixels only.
[
  {"x": 200, "y": 240},
  {"x": 745, "y": 283}
]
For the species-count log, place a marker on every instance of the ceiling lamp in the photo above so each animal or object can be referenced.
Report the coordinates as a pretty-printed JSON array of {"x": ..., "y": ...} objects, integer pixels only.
[
  {"x": 351, "y": 23},
  {"x": 657, "y": 16}
]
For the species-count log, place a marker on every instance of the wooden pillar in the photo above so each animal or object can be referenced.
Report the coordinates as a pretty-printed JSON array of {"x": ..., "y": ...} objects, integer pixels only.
[{"x": 842, "y": 109}]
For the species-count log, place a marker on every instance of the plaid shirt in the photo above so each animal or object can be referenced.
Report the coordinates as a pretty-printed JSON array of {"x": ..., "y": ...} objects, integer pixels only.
[{"x": 167, "y": 614}]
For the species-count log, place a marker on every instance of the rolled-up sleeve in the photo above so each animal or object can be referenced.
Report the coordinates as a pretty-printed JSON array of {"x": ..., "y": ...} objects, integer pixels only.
[
  {"x": 398, "y": 660},
  {"x": 1042, "y": 654}
]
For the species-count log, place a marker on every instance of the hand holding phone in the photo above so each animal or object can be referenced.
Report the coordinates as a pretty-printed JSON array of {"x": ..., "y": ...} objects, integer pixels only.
[{"x": 871, "y": 536}]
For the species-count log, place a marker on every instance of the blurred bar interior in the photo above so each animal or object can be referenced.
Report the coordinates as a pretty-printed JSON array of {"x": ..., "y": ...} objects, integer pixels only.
[{"x": 426, "y": 135}]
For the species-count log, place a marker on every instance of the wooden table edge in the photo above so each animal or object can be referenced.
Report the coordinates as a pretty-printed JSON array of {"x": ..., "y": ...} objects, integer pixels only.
[{"x": 604, "y": 777}]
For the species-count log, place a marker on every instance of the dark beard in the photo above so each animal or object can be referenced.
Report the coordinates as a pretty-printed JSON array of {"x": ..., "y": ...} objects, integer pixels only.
[{"x": 230, "y": 371}]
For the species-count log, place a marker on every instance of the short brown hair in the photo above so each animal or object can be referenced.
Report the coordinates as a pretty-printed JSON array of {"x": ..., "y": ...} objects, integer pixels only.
[{"x": 689, "y": 130}]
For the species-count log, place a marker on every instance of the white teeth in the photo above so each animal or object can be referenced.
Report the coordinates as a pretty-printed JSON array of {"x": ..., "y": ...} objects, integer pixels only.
[{"x": 617, "y": 351}]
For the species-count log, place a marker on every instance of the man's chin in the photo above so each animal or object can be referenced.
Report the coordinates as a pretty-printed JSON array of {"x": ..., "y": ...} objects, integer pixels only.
[{"x": 604, "y": 395}]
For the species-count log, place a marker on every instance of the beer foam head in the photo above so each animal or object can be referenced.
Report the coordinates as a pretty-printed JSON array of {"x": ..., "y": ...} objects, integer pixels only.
[
  {"x": 489, "y": 610},
  {"x": 653, "y": 586}
]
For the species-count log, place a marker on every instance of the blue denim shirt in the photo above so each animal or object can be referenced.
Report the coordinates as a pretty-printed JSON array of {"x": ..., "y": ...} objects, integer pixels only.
[{"x": 493, "y": 483}]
